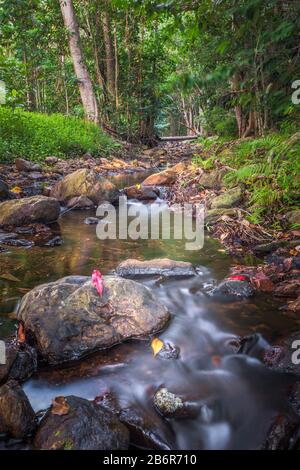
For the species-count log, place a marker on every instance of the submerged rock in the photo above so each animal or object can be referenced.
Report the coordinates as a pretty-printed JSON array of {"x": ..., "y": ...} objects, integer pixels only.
[
  {"x": 67, "y": 319},
  {"x": 83, "y": 426},
  {"x": 85, "y": 183},
  {"x": 141, "y": 193},
  {"x": 17, "y": 418},
  {"x": 162, "y": 267},
  {"x": 29, "y": 209},
  {"x": 229, "y": 198}
]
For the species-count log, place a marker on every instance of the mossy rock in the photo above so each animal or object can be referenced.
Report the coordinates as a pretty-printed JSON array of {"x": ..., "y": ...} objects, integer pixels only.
[{"x": 228, "y": 199}]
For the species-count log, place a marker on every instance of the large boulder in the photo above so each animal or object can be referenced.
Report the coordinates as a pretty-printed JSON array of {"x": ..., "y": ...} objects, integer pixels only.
[
  {"x": 229, "y": 198},
  {"x": 4, "y": 191},
  {"x": 28, "y": 210},
  {"x": 85, "y": 183},
  {"x": 166, "y": 177},
  {"x": 68, "y": 319},
  {"x": 80, "y": 425},
  {"x": 17, "y": 418},
  {"x": 162, "y": 267}
]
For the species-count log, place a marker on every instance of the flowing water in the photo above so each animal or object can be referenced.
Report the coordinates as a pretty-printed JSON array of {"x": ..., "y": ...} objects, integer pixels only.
[{"x": 237, "y": 395}]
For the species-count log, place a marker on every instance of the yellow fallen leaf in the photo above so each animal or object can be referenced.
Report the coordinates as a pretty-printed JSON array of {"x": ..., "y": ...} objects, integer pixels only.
[
  {"x": 138, "y": 186},
  {"x": 16, "y": 190},
  {"x": 156, "y": 345}
]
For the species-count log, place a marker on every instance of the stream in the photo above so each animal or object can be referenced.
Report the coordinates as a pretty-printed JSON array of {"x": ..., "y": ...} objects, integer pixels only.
[{"x": 239, "y": 396}]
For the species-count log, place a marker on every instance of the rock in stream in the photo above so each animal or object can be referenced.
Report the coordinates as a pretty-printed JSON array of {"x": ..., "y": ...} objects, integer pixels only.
[{"x": 67, "y": 319}]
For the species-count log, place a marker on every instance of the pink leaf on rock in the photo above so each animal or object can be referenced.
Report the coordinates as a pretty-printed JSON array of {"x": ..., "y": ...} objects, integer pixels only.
[{"x": 97, "y": 281}]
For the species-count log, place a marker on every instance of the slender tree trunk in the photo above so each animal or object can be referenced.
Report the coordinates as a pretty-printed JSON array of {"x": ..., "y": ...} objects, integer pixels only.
[
  {"x": 109, "y": 52},
  {"x": 87, "y": 94}
]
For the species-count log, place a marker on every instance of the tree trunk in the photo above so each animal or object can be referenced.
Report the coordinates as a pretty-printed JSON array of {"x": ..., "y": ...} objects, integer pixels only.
[
  {"x": 109, "y": 52},
  {"x": 87, "y": 94}
]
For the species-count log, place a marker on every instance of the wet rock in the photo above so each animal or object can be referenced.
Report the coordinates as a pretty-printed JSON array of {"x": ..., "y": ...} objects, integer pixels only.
[
  {"x": 51, "y": 160},
  {"x": 285, "y": 355},
  {"x": 86, "y": 426},
  {"x": 281, "y": 432},
  {"x": 141, "y": 193},
  {"x": 254, "y": 346},
  {"x": 213, "y": 215},
  {"x": 293, "y": 217},
  {"x": 80, "y": 202},
  {"x": 55, "y": 241},
  {"x": 68, "y": 319},
  {"x": 229, "y": 198},
  {"x": 4, "y": 191},
  {"x": 233, "y": 289},
  {"x": 162, "y": 267},
  {"x": 168, "y": 351},
  {"x": 4, "y": 237},
  {"x": 21, "y": 362},
  {"x": 91, "y": 221},
  {"x": 25, "y": 165},
  {"x": 146, "y": 431},
  {"x": 172, "y": 406},
  {"x": 18, "y": 242},
  {"x": 85, "y": 183},
  {"x": 17, "y": 418},
  {"x": 28, "y": 210}
]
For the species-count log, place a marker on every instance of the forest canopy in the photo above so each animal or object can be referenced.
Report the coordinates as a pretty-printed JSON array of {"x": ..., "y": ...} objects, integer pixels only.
[{"x": 149, "y": 68}]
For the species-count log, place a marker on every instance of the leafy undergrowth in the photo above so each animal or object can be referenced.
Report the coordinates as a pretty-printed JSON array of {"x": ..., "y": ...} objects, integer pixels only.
[
  {"x": 267, "y": 167},
  {"x": 35, "y": 136}
]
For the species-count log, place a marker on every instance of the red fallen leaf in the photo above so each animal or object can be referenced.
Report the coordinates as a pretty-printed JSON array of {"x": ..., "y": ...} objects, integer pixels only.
[
  {"x": 60, "y": 406},
  {"x": 97, "y": 281},
  {"x": 262, "y": 282},
  {"x": 236, "y": 277},
  {"x": 21, "y": 333}
]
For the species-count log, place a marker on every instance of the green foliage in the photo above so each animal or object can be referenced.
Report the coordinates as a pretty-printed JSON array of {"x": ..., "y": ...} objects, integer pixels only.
[
  {"x": 36, "y": 136},
  {"x": 269, "y": 167}
]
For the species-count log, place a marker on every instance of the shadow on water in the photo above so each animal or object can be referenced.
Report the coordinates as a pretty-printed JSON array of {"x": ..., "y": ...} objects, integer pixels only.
[{"x": 238, "y": 397}]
